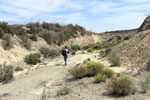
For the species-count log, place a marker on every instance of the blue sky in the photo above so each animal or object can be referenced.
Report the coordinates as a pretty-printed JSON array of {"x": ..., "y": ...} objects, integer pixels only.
[{"x": 94, "y": 15}]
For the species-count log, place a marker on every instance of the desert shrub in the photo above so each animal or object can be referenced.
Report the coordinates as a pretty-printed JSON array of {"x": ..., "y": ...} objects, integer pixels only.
[
  {"x": 5, "y": 27},
  {"x": 114, "y": 59},
  {"x": 83, "y": 52},
  {"x": 34, "y": 37},
  {"x": 1, "y": 32},
  {"x": 108, "y": 44},
  {"x": 75, "y": 47},
  {"x": 46, "y": 35},
  {"x": 108, "y": 72},
  {"x": 48, "y": 52},
  {"x": 85, "y": 47},
  {"x": 64, "y": 91},
  {"x": 134, "y": 90},
  {"x": 44, "y": 51},
  {"x": 118, "y": 38},
  {"x": 34, "y": 27},
  {"x": 73, "y": 53},
  {"x": 89, "y": 50},
  {"x": 147, "y": 27},
  {"x": 86, "y": 61},
  {"x": 94, "y": 68},
  {"x": 78, "y": 72},
  {"x": 52, "y": 53},
  {"x": 100, "y": 78},
  {"x": 127, "y": 37},
  {"x": 120, "y": 86},
  {"x": 26, "y": 42},
  {"x": 18, "y": 69},
  {"x": 64, "y": 36},
  {"x": 147, "y": 66},
  {"x": 6, "y": 74},
  {"x": 107, "y": 51},
  {"x": 32, "y": 58},
  {"x": 97, "y": 46},
  {"x": 7, "y": 42},
  {"x": 102, "y": 52},
  {"x": 145, "y": 84}
]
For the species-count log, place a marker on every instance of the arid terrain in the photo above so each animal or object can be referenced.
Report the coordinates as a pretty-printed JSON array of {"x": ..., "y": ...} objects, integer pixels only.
[{"x": 32, "y": 57}]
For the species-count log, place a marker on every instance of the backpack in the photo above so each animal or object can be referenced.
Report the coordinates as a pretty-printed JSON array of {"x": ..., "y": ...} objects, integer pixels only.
[{"x": 64, "y": 52}]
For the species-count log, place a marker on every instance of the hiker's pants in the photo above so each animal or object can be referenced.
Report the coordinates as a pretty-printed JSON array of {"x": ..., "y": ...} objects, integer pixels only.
[{"x": 65, "y": 59}]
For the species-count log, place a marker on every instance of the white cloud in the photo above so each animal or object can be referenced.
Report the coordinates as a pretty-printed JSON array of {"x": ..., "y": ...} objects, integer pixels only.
[
  {"x": 102, "y": 7},
  {"x": 137, "y": 1},
  {"x": 96, "y": 15}
]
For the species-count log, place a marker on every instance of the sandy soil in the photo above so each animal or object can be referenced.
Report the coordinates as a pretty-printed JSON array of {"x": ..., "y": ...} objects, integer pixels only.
[
  {"x": 29, "y": 84},
  {"x": 51, "y": 75}
]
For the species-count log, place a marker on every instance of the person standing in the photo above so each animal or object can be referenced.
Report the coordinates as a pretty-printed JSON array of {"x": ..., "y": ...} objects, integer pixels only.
[{"x": 65, "y": 52}]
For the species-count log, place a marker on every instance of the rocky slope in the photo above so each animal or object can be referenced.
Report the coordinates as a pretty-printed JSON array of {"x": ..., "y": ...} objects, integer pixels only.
[{"x": 135, "y": 53}]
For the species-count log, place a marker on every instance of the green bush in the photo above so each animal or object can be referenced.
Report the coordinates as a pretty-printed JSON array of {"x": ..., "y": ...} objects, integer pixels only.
[
  {"x": 145, "y": 84},
  {"x": 64, "y": 91},
  {"x": 34, "y": 37},
  {"x": 73, "y": 53},
  {"x": 26, "y": 42},
  {"x": 1, "y": 32},
  {"x": 32, "y": 58},
  {"x": 53, "y": 53},
  {"x": 86, "y": 61},
  {"x": 94, "y": 68},
  {"x": 6, "y": 74},
  {"x": 147, "y": 27},
  {"x": 78, "y": 72},
  {"x": 101, "y": 52},
  {"x": 7, "y": 42},
  {"x": 44, "y": 51},
  {"x": 97, "y": 46},
  {"x": 18, "y": 69},
  {"x": 127, "y": 37},
  {"x": 100, "y": 78},
  {"x": 89, "y": 50},
  {"x": 114, "y": 59},
  {"x": 46, "y": 35},
  {"x": 49, "y": 52},
  {"x": 108, "y": 72},
  {"x": 75, "y": 47},
  {"x": 120, "y": 86}
]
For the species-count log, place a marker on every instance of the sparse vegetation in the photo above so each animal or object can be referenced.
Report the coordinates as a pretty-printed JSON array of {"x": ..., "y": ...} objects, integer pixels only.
[
  {"x": 147, "y": 27},
  {"x": 78, "y": 72},
  {"x": 89, "y": 50},
  {"x": 26, "y": 42},
  {"x": 32, "y": 58},
  {"x": 7, "y": 42},
  {"x": 114, "y": 59},
  {"x": 86, "y": 61},
  {"x": 94, "y": 68},
  {"x": 64, "y": 91},
  {"x": 34, "y": 37},
  {"x": 75, "y": 47},
  {"x": 120, "y": 86},
  {"x": 46, "y": 35},
  {"x": 127, "y": 37},
  {"x": 6, "y": 74},
  {"x": 49, "y": 52},
  {"x": 73, "y": 53},
  {"x": 108, "y": 72},
  {"x": 100, "y": 78},
  {"x": 18, "y": 69},
  {"x": 101, "y": 52},
  {"x": 145, "y": 84}
]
